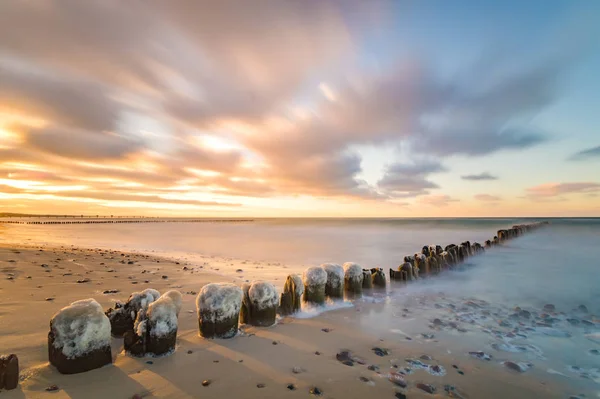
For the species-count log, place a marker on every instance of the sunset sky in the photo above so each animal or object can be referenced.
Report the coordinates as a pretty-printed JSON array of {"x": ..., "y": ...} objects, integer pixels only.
[{"x": 300, "y": 108}]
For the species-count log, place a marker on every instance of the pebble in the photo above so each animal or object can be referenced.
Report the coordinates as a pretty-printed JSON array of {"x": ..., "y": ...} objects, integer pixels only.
[
  {"x": 85, "y": 280},
  {"x": 380, "y": 351},
  {"x": 373, "y": 367},
  {"x": 594, "y": 352},
  {"x": 426, "y": 387},
  {"x": 297, "y": 370},
  {"x": 425, "y": 357},
  {"x": 165, "y": 277},
  {"x": 364, "y": 379},
  {"x": 149, "y": 362},
  {"x": 582, "y": 308},
  {"x": 480, "y": 355},
  {"x": 49, "y": 299},
  {"x": 315, "y": 391},
  {"x": 260, "y": 385},
  {"x": 291, "y": 387},
  {"x": 397, "y": 379},
  {"x": 326, "y": 330},
  {"x": 52, "y": 388},
  {"x": 206, "y": 383},
  {"x": 275, "y": 342},
  {"x": 400, "y": 395},
  {"x": 519, "y": 367},
  {"x": 190, "y": 352}
]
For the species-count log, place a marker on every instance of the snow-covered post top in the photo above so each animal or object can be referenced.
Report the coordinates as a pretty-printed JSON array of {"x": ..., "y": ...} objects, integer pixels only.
[
  {"x": 80, "y": 328},
  {"x": 367, "y": 278},
  {"x": 162, "y": 316},
  {"x": 353, "y": 277},
  {"x": 263, "y": 295},
  {"x": 221, "y": 300},
  {"x": 335, "y": 274},
  {"x": 176, "y": 297},
  {"x": 315, "y": 279},
  {"x": 141, "y": 300}
]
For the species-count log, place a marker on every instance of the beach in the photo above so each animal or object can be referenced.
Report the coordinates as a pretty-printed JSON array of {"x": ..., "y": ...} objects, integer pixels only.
[{"x": 384, "y": 332}]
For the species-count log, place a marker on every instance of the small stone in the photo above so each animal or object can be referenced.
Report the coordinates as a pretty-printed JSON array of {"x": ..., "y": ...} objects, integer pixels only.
[
  {"x": 455, "y": 366},
  {"x": 291, "y": 387},
  {"x": 438, "y": 322},
  {"x": 49, "y": 299},
  {"x": 364, "y": 379},
  {"x": 397, "y": 379},
  {"x": 149, "y": 362},
  {"x": 373, "y": 367},
  {"x": 260, "y": 385},
  {"x": 400, "y": 395},
  {"x": 52, "y": 388},
  {"x": 461, "y": 372},
  {"x": 425, "y": 357},
  {"x": 318, "y": 353},
  {"x": 130, "y": 262},
  {"x": 239, "y": 271},
  {"x": 206, "y": 383},
  {"x": 275, "y": 342},
  {"x": 297, "y": 370},
  {"x": 315, "y": 391},
  {"x": 594, "y": 352},
  {"x": 190, "y": 352},
  {"x": 426, "y": 387},
  {"x": 326, "y": 330},
  {"x": 82, "y": 281},
  {"x": 582, "y": 308},
  {"x": 165, "y": 277},
  {"x": 380, "y": 351}
]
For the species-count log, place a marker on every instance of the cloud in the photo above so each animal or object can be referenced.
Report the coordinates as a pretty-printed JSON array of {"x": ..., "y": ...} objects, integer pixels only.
[
  {"x": 556, "y": 189},
  {"x": 589, "y": 153},
  {"x": 479, "y": 177},
  {"x": 122, "y": 94},
  {"x": 403, "y": 180},
  {"x": 487, "y": 197},
  {"x": 437, "y": 200}
]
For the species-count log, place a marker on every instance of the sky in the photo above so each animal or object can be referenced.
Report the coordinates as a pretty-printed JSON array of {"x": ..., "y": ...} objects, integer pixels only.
[{"x": 296, "y": 108}]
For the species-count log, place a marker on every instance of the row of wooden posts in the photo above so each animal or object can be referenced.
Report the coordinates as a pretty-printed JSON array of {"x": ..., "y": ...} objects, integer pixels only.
[
  {"x": 110, "y": 221},
  {"x": 148, "y": 321}
]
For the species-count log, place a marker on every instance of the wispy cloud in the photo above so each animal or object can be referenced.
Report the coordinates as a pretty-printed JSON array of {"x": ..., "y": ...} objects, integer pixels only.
[
  {"x": 487, "y": 197},
  {"x": 556, "y": 189},
  {"x": 479, "y": 177},
  {"x": 437, "y": 200},
  {"x": 590, "y": 153}
]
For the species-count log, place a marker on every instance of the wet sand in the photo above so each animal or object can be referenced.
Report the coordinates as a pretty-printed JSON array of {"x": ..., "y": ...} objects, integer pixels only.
[{"x": 259, "y": 362}]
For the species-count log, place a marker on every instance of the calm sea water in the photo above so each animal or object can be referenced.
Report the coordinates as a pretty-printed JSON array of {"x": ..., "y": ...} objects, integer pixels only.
[{"x": 558, "y": 263}]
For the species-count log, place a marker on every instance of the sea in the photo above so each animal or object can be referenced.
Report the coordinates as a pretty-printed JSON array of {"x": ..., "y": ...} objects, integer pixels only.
[{"x": 534, "y": 301}]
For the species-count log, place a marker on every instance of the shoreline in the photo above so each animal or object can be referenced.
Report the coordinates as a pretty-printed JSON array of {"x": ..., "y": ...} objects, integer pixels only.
[{"x": 268, "y": 355}]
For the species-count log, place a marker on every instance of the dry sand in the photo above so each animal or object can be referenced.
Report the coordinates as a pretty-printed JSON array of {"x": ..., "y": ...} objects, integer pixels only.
[{"x": 32, "y": 293}]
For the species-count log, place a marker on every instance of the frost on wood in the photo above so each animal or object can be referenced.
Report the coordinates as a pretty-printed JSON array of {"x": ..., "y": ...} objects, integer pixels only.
[
  {"x": 222, "y": 300},
  {"x": 353, "y": 277},
  {"x": 80, "y": 328},
  {"x": 259, "y": 306},
  {"x": 315, "y": 279},
  {"x": 314, "y": 276},
  {"x": 141, "y": 300},
  {"x": 335, "y": 280},
  {"x": 262, "y": 294},
  {"x": 162, "y": 315},
  {"x": 79, "y": 338},
  {"x": 335, "y": 274},
  {"x": 353, "y": 270},
  {"x": 176, "y": 297}
]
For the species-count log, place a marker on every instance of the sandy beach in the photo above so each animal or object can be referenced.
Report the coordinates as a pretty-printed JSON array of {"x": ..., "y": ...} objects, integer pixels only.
[{"x": 259, "y": 362}]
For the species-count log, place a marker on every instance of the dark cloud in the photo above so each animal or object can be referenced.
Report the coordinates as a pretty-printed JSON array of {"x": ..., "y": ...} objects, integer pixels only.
[
  {"x": 589, "y": 153},
  {"x": 403, "y": 180},
  {"x": 479, "y": 177}
]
